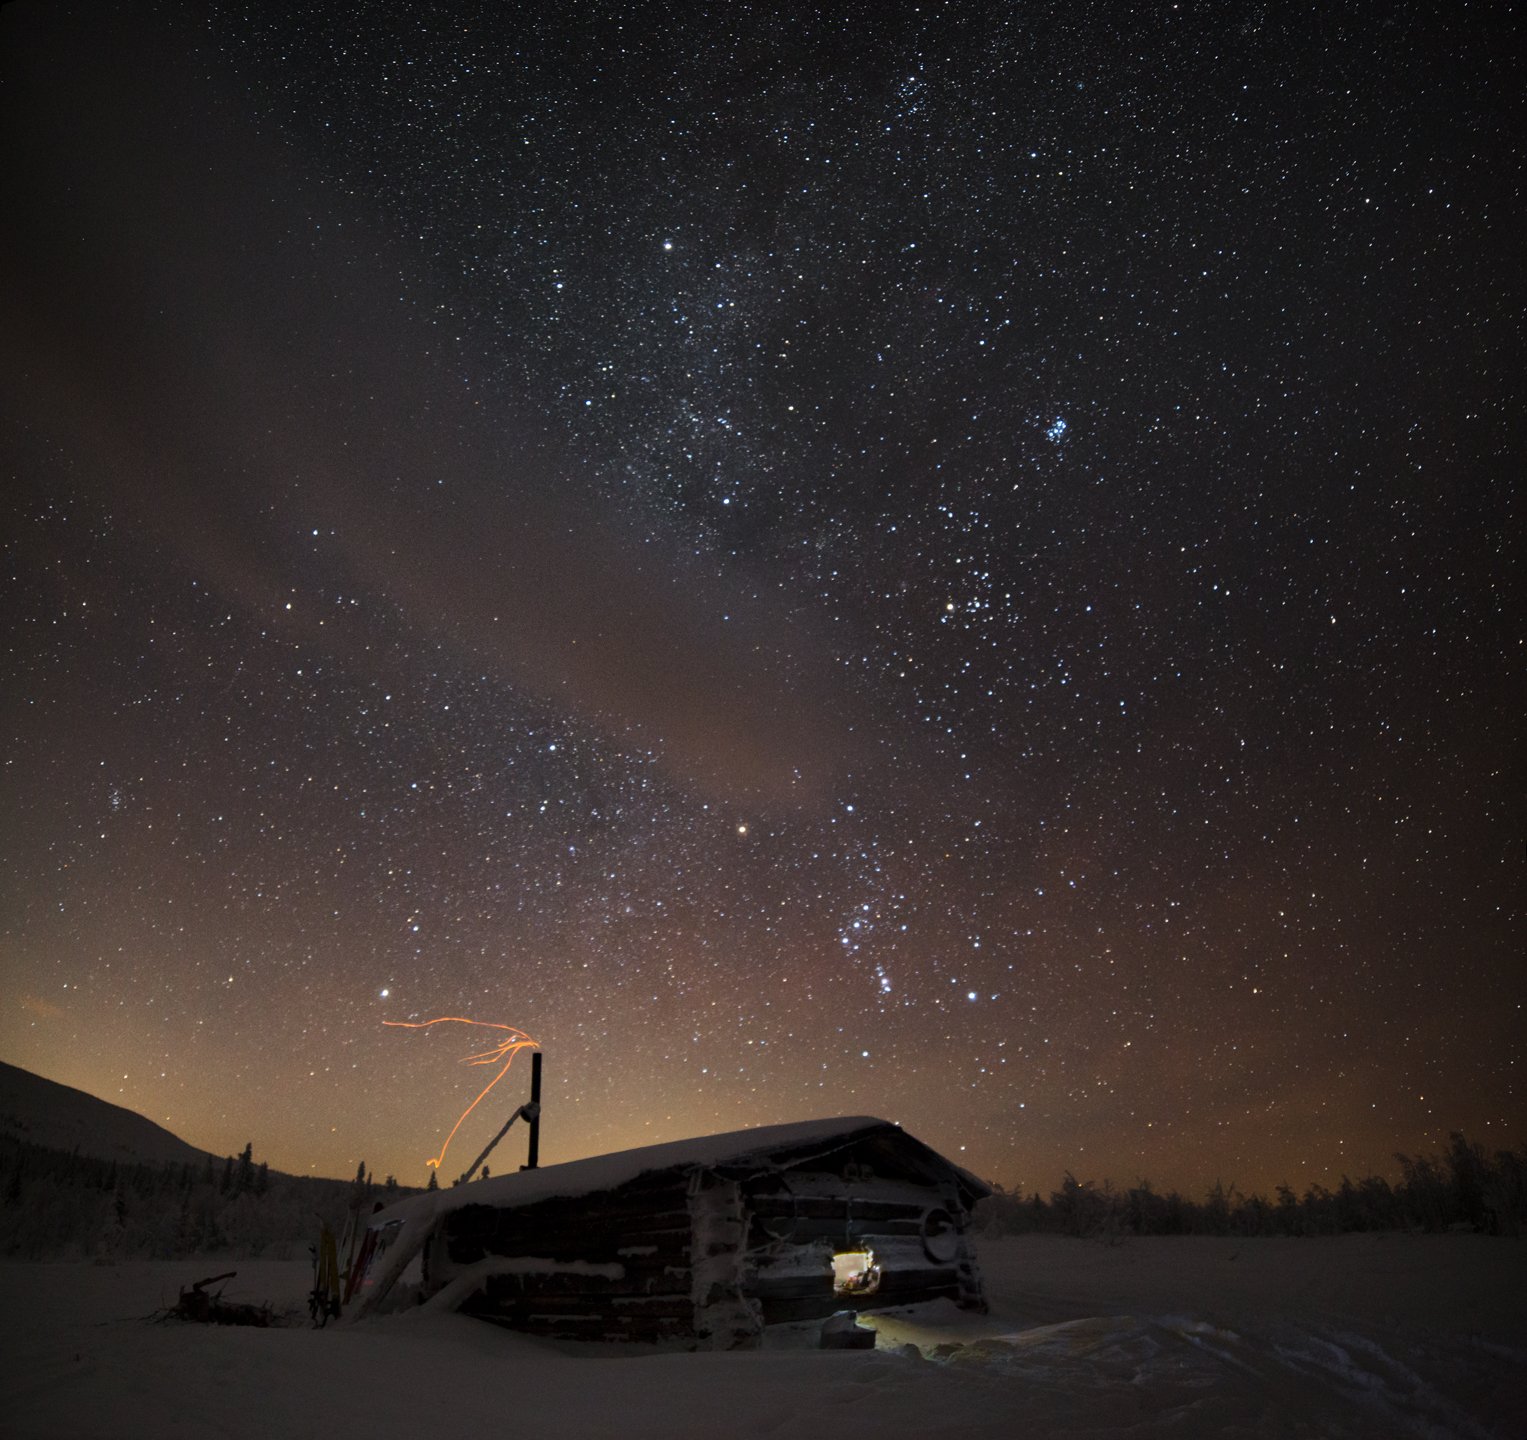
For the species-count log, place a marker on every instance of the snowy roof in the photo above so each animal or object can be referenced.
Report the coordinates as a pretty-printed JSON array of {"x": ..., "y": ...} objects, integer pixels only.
[{"x": 766, "y": 1145}]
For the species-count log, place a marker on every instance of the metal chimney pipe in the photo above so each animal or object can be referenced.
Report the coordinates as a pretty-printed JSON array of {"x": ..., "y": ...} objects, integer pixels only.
[{"x": 533, "y": 1159}]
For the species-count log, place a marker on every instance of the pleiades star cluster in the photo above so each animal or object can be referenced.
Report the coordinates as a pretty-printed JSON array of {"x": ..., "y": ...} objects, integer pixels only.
[{"x": 956, "y": 562}]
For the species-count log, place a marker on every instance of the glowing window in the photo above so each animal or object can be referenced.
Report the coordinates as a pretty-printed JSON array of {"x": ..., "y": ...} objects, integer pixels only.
[{"x": 854, "y": 1272}]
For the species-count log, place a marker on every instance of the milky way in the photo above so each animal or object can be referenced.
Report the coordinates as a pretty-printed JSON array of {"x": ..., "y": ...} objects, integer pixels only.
[{"x": 946, "y": 562}]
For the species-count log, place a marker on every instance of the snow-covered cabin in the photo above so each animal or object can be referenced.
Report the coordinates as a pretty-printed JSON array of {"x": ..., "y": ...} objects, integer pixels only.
[{"x": 700, "y": 1241}]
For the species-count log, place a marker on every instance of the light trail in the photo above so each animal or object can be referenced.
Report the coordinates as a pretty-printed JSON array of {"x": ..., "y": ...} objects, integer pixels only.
[{"x": 514, "y": 1041}]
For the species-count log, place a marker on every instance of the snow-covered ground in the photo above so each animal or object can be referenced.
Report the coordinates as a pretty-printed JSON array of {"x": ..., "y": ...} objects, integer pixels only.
[{"x": 1386, "y": 1336}]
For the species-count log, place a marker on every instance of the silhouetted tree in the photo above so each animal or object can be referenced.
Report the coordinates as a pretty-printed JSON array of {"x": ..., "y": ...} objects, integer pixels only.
[
  {"x": 1423, "y": 1193},
  {"x": 1142, "y": 1207},
  {"x": 1468, "y": 1166},
  {"x": 1375, "y": 1202},
  {"x": 1216, "y": 1211},
  {"x": 1506, "y": 1193},
  {"x": 1290, "y": 1222}
]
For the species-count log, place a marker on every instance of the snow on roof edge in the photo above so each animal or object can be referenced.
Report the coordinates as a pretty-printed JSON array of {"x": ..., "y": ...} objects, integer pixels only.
[{"x": 607, "y": 1172}]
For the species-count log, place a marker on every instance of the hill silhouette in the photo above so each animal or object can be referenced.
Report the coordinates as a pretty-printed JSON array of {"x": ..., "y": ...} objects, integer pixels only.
[{"x": 42, "y": 1112}]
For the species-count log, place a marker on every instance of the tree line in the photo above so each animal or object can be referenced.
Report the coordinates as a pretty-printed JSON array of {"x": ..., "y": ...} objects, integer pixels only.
[
  {"x": 1463, "y": 1188},
  {"x": 57, "y": 1204}
]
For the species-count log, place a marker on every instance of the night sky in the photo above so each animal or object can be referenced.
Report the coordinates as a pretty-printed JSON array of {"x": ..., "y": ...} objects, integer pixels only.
[{"x": 956, "y": 562}]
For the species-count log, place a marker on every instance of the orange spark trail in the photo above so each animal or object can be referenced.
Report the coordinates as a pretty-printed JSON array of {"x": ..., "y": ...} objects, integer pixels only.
[{"x": 505, "y": 1050}]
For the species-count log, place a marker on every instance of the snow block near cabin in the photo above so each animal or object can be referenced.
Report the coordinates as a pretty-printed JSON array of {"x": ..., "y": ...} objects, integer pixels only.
[{"x": 842, "y": 1331}]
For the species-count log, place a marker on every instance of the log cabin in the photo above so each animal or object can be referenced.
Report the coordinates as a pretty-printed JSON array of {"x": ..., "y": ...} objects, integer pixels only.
[{"x": 696, "y": 1243}]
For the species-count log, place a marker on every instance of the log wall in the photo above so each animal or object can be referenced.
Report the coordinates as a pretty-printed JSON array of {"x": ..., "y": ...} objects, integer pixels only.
[{"x": 625, "y": 1256}]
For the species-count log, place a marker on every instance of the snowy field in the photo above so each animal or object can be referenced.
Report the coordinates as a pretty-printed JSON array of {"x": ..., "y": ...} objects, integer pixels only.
[{"x": 1382, "y": 1336}]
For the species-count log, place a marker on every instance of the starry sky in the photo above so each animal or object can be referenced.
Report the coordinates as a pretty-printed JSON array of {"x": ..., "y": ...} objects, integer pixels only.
[{"x": 948, "y": 561}]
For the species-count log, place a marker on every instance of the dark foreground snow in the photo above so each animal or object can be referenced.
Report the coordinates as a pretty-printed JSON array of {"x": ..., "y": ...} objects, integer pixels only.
[{"x": 1368, "y": 1336}]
